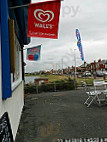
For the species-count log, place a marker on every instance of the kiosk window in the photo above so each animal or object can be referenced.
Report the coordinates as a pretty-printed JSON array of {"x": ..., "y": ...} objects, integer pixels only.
[{"x": 15, "y": 56}]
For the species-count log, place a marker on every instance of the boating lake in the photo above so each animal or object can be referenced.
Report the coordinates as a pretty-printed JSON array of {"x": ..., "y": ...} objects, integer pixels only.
[{"x": 29, "y": 79}]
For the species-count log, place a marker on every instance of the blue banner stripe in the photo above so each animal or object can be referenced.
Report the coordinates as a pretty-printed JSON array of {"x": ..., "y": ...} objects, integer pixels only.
[
  {"x": 79, "y": 44},
  {"x": 5, "y": 53}
]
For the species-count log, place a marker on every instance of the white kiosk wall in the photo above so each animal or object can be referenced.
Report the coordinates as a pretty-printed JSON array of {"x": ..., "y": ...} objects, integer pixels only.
[{"x": 13, "y": 105}]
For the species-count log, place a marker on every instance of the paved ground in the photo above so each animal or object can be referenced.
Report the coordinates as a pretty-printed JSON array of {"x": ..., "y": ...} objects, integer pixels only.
[{"x": 49, "y": 116}]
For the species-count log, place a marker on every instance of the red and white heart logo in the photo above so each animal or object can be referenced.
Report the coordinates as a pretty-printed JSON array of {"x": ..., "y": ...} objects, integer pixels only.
[{"x": 43, "y": 16}]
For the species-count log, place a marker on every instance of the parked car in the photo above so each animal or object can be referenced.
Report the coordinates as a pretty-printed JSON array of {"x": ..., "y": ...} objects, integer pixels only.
[
  {"x": 100, "y": 73},
  {"x": 105, "y": 73},
  {"x": 86, "y": 73},
  {"x": 73, "y": 73}
]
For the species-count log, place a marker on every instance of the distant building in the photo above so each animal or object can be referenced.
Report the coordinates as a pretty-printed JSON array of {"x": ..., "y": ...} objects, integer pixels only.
[
  {"x": 99, "y": 65},
  {"x": 93, "y": 66},
  {"x": 84, "y": 67},
  {"x": 41, "y": 80}
]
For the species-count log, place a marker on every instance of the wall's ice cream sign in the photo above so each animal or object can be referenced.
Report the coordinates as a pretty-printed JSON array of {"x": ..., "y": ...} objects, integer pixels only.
[
  {"x": 43, "y": 19},
  {"x": 43, "y": 16}
]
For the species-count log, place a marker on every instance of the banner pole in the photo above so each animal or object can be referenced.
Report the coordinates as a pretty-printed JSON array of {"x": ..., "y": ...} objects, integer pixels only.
[
  {"x": 13, "y": 7},
  {"x": 30, "y": 47},
  {"x": 25, "y": 5}
]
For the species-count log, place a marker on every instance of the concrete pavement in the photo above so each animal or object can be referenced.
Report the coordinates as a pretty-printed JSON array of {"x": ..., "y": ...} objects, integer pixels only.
[{"x": 49, "y": 116}]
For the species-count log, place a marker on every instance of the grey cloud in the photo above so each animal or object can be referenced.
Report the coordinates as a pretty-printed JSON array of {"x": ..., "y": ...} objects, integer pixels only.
[{"x": 90, "y": 19}]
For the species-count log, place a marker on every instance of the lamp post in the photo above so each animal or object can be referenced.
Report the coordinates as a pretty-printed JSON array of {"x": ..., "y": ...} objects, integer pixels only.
[
  {"x": 75, "y": 68},
  {"x": 75, "y": 62},
  {"x": 62, "y": 66}
]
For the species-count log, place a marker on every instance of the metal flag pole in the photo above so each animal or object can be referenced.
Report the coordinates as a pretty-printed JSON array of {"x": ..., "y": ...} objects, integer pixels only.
[{"x": 62, "y": 66}]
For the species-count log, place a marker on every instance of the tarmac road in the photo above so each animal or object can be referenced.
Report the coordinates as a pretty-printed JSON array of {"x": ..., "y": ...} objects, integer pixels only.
[{"x": 51, "y": 116}]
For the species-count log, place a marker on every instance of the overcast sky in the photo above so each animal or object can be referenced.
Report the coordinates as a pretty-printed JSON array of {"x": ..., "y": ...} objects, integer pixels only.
[{"x": 89, "y": 16}]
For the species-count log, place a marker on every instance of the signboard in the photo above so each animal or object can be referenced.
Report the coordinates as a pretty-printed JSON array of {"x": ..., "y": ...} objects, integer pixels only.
[
  {"x": 33, "y": 54},
  {"x": 5, "y": 129},
  {"x": 43, "y": 19}
]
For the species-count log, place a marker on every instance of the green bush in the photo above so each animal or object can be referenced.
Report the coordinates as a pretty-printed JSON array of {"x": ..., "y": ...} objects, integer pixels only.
[
  {"x": 30, "y": 89},
  {"x": 46, "y": 88},
  {"x": 65, "y": 86},
  {"x": 56, "y": 86}
]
